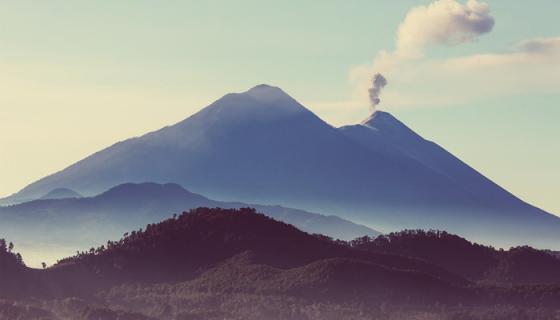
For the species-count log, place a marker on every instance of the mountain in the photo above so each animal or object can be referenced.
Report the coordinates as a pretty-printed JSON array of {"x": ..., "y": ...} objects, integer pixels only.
[
  {"x": 382, "y": 131},
  {"x": 237, "y": 264},
  {"x": 262, "y": 146},
  {"x": 510, "y": 217},
  {"x": 62, "y": 226},
  {"x": 61, "y": 193}
]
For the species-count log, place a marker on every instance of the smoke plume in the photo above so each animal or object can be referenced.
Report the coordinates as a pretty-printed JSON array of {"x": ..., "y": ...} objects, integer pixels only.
[{"x": 378, "y": 83}]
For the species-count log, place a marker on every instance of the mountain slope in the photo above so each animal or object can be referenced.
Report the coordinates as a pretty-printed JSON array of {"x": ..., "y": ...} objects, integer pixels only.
[
  {"x": 502, "y": 211},
  {"x": 63, "y": 226},
  {"x": 382, "y": 131},
  {"x": 332, "y": 278},
  {"x": 262, "y": 146},
  {"x": 237, "y": 264},
  {"x": 182, "y": 248}
]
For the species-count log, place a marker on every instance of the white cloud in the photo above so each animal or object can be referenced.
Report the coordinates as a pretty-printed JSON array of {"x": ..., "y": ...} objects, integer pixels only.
[{"x": 443, "y": 22}]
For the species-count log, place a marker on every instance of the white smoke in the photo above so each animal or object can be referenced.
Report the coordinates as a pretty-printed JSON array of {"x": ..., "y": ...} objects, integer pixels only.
[{"x": 443, "y": 22}]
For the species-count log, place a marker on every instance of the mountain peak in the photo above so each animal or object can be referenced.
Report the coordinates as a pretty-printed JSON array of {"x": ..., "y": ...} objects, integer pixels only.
[
  {"x": 260, "y": 104},
  {"x": 270, "y": 94},
  {"x": 380, "y": 118},
  {"x": 61, "y": 193},
  {"x": 263, "y": 86},
  {"x": 389, "y": 125}
]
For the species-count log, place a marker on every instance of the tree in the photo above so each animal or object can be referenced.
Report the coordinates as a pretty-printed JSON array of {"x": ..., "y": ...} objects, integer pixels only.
[{"x": 44, "y": 265}]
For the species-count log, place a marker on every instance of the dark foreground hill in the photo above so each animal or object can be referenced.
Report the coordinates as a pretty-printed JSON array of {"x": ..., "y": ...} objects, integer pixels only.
[
  {"x": 181, "y": 248},
  {"x": 238, "y": 264},
  {"x": 483, "y": 264},
  {"x": 62, "y": 226}
]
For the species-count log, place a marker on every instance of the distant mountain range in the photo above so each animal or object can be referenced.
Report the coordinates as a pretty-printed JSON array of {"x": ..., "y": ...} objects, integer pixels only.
[
  {"x": 262, "y": 146},
  {"x": 237, "y": 264},
  {"x": 59, "y": 227},
  {"x": 61, "y": 193}
]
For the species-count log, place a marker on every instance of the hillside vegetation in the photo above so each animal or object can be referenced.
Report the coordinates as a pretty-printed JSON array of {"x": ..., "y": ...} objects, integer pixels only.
[{"x": 239, "y": 264}]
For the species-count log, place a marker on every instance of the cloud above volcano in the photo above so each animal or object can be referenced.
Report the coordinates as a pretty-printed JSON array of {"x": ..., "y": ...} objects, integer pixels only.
[{"x": 443, "y": 22}]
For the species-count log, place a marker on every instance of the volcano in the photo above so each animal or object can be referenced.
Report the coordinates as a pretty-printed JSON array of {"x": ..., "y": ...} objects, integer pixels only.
[{"x": 262, "y": 146}]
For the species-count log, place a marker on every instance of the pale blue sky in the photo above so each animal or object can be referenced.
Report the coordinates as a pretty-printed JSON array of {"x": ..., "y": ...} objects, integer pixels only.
[{"x": 80, "y": 75}]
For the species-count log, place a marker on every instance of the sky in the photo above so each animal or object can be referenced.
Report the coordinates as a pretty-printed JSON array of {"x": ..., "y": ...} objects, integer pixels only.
[{"x": 479, "y": 78}]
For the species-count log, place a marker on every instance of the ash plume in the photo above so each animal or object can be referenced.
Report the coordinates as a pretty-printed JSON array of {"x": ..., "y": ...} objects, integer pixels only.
[{"x": 378, "y": 83}]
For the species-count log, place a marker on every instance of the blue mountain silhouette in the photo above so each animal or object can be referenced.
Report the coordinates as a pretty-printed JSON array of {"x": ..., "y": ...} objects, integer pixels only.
[{"x": 262, "y": 146}]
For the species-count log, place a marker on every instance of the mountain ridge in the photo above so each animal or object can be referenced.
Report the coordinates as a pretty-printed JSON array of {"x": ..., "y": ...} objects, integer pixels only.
[
  {"x": 183, "y": 247},
  {"x": 62, "y": 226},
  {"x": 262, "y": 146}
]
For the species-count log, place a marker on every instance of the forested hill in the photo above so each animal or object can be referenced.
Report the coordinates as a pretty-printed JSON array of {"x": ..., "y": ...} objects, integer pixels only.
[
  {"x": 485, "y": 264},
  {"x": 182, "y": 247},
  {"x": 239, "y": 264}
]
